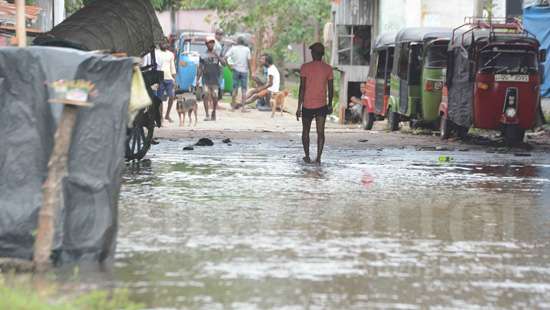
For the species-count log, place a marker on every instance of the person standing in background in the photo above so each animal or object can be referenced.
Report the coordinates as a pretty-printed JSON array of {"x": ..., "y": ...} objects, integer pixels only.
[
  {"x": 239, "y": 57},
  {"x": 166, "y": 64}
]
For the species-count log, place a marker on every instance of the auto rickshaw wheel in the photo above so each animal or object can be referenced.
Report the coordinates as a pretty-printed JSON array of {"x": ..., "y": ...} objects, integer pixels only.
[
  {"x": 513, "y": 135},
  {"x": 140, "y": 136},
  {"x": 367, "y": 119},
  {"x": 444, "y": 128},
  {"x": 393, "y": 121}
]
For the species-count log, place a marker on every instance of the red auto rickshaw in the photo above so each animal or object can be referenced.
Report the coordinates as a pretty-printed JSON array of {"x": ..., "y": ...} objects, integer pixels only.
[
  {"x": 378, "y": 81},
  {"x": 493, "y": 80}
]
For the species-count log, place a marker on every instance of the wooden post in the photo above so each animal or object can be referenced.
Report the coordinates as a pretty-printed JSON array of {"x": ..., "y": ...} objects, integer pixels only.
[
  {"x": 52, "y": 189},
  {"x": 20, "y": 27}
]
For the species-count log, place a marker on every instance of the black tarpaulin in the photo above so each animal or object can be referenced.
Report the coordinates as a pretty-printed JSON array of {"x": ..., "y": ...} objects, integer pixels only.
[
  {"x": 87, "y": 222},
  {"x": 129, "y": 26},
  {"x": 461, "y": 87}
]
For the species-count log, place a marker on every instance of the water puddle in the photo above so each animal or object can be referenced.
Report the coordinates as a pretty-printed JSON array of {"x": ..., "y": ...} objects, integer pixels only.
[{"x": 250, "y": 226}]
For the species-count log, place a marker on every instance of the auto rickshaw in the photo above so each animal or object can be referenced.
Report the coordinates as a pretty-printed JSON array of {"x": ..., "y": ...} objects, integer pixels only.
[
  {"x": 378, "y": 81},
  {"x": 417, "y": 76},
  {"x": 493, "y": 81}
]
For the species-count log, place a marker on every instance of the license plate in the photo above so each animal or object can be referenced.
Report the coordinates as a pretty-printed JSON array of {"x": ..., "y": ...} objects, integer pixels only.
[{"x": 511, "y": 78}]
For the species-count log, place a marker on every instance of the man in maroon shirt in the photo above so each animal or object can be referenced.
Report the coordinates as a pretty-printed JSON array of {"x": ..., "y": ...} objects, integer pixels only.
[{"x": 316, "y": 80}]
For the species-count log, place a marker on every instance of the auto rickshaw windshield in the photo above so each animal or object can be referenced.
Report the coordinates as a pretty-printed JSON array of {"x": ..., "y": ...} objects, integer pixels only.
[
  {"x": 508, "y": 61},
  {"x": 436, "y": 57},
  {"x": 196, "y": 47}
]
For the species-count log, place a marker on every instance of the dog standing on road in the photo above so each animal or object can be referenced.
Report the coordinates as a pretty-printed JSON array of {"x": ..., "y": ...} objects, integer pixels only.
[
  {"x": 278, "y": 101},
  {"x": 186, "y": 104}
]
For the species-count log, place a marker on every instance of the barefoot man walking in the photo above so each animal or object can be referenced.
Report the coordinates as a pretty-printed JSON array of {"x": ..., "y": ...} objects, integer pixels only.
[
  {"x": 316, "y": 80},
  {"x": 210, "y": 70}
]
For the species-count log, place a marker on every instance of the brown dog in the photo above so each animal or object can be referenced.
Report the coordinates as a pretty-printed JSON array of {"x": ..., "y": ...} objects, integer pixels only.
[
  {"x": 186, "y": 104},
  {"x": 278, "y": 102}
]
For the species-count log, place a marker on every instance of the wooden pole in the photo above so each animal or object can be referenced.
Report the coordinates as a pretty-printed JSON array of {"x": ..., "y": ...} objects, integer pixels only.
[
  {"x": 20, "y": 27},
  {"x": 52, "y": 189}
]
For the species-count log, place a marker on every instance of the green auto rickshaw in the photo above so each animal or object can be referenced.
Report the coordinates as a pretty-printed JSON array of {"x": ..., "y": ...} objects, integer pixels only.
[{"x": 417, "y": 78}]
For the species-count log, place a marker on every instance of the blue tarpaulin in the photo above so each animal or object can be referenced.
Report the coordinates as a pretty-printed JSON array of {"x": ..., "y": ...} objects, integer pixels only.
[{"x": 537, "y": 21}]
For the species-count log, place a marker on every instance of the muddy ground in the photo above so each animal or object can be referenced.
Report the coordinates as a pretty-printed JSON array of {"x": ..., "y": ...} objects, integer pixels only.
[{"x": 255, "y": 124}]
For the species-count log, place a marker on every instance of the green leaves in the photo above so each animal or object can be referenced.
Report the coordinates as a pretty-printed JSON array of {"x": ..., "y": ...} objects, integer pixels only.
[{"x": 285, "y": 21}]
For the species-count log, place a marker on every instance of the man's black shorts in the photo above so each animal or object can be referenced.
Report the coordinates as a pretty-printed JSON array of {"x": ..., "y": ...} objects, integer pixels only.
[{"x": 312, "y": 113}]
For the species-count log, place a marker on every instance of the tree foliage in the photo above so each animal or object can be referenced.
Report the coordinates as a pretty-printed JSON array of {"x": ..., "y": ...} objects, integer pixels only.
[
  {"x": 275, "y": 23},
  {"x": 72, "y": 6}
]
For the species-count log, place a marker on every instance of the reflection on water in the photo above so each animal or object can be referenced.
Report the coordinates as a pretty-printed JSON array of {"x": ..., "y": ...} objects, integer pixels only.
[{"x": 250, "y": 226}]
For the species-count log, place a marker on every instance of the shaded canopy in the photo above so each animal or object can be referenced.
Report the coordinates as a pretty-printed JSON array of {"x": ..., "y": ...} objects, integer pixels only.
[
  {"x": 129, "y": 26},
  {"x": 385, "y": 40},
  {"x": 421, "y": 34}
]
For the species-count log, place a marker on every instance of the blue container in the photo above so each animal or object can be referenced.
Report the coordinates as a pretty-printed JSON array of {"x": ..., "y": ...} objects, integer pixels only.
[{"x": 187, "y": 61}]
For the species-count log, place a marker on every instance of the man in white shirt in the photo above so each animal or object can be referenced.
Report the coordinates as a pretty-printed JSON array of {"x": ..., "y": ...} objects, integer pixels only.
[
  {"x": 356, "y": 104},
  {"x": 164, "y": 61},
  {"x": 166, "y": 64},
  {"x": 238, "y": 57},
  {"x": 272, "y": 85}
]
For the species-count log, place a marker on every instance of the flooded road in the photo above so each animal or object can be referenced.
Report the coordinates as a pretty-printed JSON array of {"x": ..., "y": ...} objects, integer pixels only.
[{"x": 247, "y": 225}]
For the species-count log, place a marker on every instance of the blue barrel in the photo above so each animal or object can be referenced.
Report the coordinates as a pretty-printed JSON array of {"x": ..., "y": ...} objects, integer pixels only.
[{"x": 187, "y": 70}]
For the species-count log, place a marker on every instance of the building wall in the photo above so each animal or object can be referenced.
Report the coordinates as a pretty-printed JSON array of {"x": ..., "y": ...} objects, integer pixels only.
[
  {"x": 53, "y": 13},
  {"x": 396, "y": 14},
  {"x": 201, "y": 20}
]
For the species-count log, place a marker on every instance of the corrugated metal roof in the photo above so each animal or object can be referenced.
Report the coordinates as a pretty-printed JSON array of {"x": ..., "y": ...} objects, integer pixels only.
[
  {"x": 7, "y": 10},
  {"x": 354, "y": 12}
]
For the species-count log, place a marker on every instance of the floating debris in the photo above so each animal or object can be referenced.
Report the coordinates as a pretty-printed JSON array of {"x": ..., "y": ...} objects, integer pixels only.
[{"x": 204, "y": 142}]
